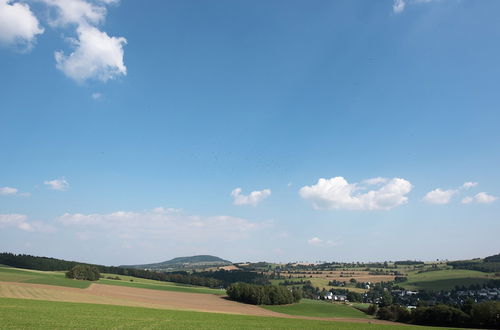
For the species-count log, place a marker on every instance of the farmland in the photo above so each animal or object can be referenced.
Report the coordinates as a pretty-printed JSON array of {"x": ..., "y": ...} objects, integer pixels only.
[
  {"x": 9, "y": 274},
  {"x": 22, "y": 313},
  {"x": 444, "y": 279},
  {"x": 308, "y": 307}
]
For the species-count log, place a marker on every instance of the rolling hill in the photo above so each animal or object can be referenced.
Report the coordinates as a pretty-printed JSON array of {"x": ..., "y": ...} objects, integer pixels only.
[{"x": 184, "y": 263}]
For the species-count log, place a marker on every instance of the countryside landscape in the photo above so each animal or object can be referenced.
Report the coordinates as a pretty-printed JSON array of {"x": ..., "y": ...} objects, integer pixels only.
[
  {"x": 249, "y": 164},
  {"x": 207, "y": 291}
]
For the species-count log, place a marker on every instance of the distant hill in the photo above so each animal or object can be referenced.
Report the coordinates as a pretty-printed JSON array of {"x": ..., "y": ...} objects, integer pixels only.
[
  {"x": 185, "y": 263},
  {"x": 494, "y": 258}
]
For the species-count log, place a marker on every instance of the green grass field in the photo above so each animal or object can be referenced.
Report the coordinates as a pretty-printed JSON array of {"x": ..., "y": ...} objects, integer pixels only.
[
  {"x": 36, "y": 314},
  {"x": 319, "y": 308},
  {"x": 444, "y": 279},
  {"x": 9, "y": 274},
  {"x": 321, "y": 283}
]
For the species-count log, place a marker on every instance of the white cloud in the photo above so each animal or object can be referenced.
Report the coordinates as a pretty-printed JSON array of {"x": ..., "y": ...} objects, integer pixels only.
[
  {"x": 12, "y": 192},
  {"x": 482, "y": 198},
  {"x": 57, "y": 184},
  {"x": 8, "y": 191},
  {"x": 76, "y": 12},
  {"x": 19, "y": 221},
  {"x": 336, "y": 193},
  {"x": 398, "y": 6},
  {"x": 439, "y": 196},
  {"x": 254, "y": 198},
  {"x": 18, "y": 25},
  {"x": 468, "y": 185},
  {"x": 96, "y": 96},
  {"x": 316, "y": 241},
  {"x": 163, "y": 223},
  {"x": 97, "y": 56}
]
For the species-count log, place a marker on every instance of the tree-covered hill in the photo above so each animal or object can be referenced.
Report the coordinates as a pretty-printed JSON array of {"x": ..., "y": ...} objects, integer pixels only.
[{"x": 184, "y": 263}]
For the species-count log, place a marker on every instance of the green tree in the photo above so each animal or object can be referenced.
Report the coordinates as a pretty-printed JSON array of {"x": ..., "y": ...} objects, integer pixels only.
[{"x": 84, "y": 272}]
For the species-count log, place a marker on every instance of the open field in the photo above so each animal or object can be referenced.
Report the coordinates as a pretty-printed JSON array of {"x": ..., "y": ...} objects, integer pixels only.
[
  {"x": 128, "y": 296},
  {"x": 308, "y": 307},
  {"x": 444, "y": 279},
  {"x": 339, "y": 275},
  {"x": 26, "y": 314},
  {"x": 8, "y": 274}
]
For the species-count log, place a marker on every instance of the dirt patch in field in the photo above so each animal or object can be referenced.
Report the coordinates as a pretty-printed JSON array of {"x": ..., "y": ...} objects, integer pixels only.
[{"x": 128, "y": 296}]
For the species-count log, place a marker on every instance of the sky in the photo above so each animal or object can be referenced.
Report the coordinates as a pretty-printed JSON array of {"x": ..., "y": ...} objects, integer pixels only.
[{"x": 134, "y": 132}]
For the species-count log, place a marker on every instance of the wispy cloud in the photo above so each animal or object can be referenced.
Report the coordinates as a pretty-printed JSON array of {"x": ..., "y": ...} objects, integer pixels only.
[
  {"x": 161, "y": 223},
  {"x": 57, "y": 184},
  {"x": 316, "y": 241},
  {"x": 9, "y": 191},
  {"x": 20, "y": 221},
  {"x": 96, "y": 96},
  {"x": 398, "y": 6}
]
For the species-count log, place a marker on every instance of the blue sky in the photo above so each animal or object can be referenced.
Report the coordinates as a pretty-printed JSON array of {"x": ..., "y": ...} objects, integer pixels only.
[{"x": 135, "y": 132}]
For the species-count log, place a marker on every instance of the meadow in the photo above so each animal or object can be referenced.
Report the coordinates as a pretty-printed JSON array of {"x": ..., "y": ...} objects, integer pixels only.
[
  {"x": 318, "y": 308},
  {"x": 444, "y": 279},
  {"x": 30, "y": 314}
]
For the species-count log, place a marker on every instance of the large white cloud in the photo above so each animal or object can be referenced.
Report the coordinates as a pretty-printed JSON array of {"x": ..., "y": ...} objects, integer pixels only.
[
  {"x": 18, "y": 25},
  {"x": 97, "y": 56},
  {"x": 161, "y": 223},
  {"x": 254, "y": 198},
  {"x": 336, "y": 193}
]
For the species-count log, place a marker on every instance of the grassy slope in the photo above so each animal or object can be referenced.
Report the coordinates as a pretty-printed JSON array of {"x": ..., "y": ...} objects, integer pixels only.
[
  {"x": 444, "y": 279},
  {"x": 9, "y": 274},
  {"x": 308, "y": 307},
  {"x": 31, "y": 314}
]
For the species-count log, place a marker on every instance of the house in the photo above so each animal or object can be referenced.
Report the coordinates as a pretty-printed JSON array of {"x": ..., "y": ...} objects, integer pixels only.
[{"x": 340, "y": 298}]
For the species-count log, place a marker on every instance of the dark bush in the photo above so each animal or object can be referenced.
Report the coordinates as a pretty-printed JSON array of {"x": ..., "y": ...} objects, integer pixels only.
[{"x": 84, "y": 272}]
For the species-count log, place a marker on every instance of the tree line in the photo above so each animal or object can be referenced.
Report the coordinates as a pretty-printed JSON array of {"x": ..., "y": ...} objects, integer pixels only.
[
  {"x": 484, "y": 315},
  {"x": 263, "y": 294}
]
